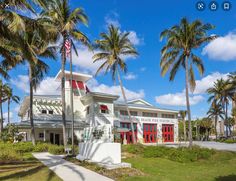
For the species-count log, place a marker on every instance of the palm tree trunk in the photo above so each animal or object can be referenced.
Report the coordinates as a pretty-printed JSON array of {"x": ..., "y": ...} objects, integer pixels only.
[
  {"x": 1, "y": 123},
  {"x": 226, "y": 118},
  {"x": 8, "y": 110},
  {"x": 216, "y": 119},
  {"x": 63, "y": 60},
  {"x": 187, "y": 102},
  {"x": 72, "y": 105},
  {"x": 127, "y": 108},
  {"x": 31, "y": 105},
  {"x": 185, "y": 138}
]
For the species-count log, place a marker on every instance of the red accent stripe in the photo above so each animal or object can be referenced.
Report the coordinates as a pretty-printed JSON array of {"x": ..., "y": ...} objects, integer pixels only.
[
  {"x": 103, "y": 107},
  {"x": 80, "y": 85}
]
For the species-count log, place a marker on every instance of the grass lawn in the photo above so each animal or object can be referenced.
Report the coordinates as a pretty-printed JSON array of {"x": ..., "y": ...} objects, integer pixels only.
[
  {"x": 28, "y": 170},
  {"x": 220, "y": 167}
]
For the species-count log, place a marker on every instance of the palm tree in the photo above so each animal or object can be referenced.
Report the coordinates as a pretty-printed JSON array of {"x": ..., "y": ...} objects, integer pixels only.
[
  {"x": 182, "y": 39},
  {"x": 206, "y": 124},
  {"x": 3, "y": 89},
  {"x": 183, "y": 114},
  {"x": 112, "y": 47},
  {"x": 66, "y": 21},
  {"x": 222, "y": 93},
  {"x": 215, "y": 111},
  {"x": 10, "y": 98}
]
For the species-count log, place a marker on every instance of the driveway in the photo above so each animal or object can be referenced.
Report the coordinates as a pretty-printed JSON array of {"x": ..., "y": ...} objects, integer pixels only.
[{"x": 216, "y": 145}]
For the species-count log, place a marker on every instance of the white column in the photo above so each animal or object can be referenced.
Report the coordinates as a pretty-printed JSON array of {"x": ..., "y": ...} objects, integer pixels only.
[{"x": 44, "y": 135}]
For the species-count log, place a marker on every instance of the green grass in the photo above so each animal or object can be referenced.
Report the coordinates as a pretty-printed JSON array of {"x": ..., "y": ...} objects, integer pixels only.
[
  {"x": 29, "y": 169},
  {"x": 220, "y": 167}
]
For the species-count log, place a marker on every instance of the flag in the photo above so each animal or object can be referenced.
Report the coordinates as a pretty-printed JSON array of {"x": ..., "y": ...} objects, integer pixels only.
[{"x": 68, "y": 47}]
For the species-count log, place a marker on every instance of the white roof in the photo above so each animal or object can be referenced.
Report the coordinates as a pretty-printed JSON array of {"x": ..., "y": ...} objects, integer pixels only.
[{"x": 76, "y": 76}]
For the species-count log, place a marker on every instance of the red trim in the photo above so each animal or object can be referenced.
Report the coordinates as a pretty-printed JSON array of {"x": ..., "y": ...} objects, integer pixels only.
[
  {"x": 168, "y": 132},
  {"x": 104, "y": 107},
  {"x": 128, "y": 135},
  {"x": 80, "y": 85}
]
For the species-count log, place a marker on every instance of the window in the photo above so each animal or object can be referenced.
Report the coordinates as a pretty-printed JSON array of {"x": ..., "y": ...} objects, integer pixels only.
[
  {"x": 125, "y": 113},
  {"x": 44, "y": 111},
  {"x": 104, "y": 109},
  {"x": 149, "y": 114},
  {"x": 41, "y": 135},
  {"x": 172, "y": 116},
  {"x": 50, "y": 112}
]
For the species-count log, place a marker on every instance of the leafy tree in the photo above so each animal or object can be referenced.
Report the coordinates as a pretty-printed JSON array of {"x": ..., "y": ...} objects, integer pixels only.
[
  {"x": 182, "y": 40},
  {"x": 112, "y": 47}
]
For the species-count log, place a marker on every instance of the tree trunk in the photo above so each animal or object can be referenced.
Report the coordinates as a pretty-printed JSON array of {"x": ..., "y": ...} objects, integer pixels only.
[
  {"x": 8, "y": 110},
  {"x": 31, "y": 105},
  {"x": 216, "y": 126},
  {"x": 72, "y": 105},
  {"x": 185, "y": 138},
  {"x": 187, "y": 103},
  {"x": 63, "y": 60},
  {"x": 226, "y": 118},
  {"x": 127, "y": 108},
  {"x": 1, "y": 123}
]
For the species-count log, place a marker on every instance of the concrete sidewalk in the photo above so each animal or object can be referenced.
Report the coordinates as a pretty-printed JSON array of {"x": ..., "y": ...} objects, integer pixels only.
[
  {"x": 68, "y": 171},
  {"x": 216, "y": 145}
]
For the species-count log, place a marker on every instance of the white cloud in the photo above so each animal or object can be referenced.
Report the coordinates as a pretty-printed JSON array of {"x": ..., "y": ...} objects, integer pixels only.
[
  {"x": 47, "y": 86},
  {"x": 5, "y": 115},
  {"x": 84, "y": 60},
  {"x": 133, "y": 37},
  {"x": 178, "y": 99},
  {"x": 115, "y": 90},
  {"x": 223, "y": 48},
  {"x": 112, "y": 19},
  {"x": 207, "y": 82},
  {"x": 130, "y": 76},
  {"x": 22, "y": 83}
]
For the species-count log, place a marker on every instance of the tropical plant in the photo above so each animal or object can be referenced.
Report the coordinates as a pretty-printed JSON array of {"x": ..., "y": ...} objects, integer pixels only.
[
  {"x": 206, "y": 125},
  {"x": 3, "y": 89},
  {"x": 112, "y": 47},
  {"x": 222, "y": 93},
  {"x": 183, "y": 114},
  {"x": 66, "y": 20},
  {"x": 10, "y": 98},
  {"x": 215, "y": 111},
  {"x": 182, "y": 39}
]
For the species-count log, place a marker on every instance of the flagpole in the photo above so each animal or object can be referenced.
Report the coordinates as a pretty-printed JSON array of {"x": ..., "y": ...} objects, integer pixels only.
[{"x": 71, "y": 101}]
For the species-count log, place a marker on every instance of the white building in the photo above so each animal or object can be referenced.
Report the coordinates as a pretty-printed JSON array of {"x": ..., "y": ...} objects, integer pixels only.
[{"x": 91, "y": 109}]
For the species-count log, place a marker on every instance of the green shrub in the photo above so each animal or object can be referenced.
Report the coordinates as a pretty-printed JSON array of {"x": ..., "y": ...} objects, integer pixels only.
[
  {"x": 9, "y": 155},
  {"x": 23, "y": 147},
  {"x": 230, "y": 141},
  {"x": 41, "y": 147},
  {"x": 55, "y": 149},
  {"x": 134, "y": 149}
]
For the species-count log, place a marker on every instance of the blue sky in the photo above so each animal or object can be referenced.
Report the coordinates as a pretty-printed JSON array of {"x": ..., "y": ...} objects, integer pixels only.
[{"x": 145, "y": 20}]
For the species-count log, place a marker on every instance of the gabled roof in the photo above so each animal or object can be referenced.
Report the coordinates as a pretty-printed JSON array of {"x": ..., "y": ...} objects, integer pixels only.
[
  {"x": 139, "y": 101},
  {"x": 100, "y": 95}
]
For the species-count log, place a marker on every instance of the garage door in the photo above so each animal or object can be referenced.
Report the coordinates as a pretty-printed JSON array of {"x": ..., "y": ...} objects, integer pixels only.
[
  {"x": 168, "y": 132},
  {"x": 150, "y": 133}
]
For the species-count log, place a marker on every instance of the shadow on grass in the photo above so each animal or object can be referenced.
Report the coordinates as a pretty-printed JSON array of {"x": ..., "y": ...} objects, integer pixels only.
[
  {"x": 23, "y": 173},
  {"x": 226, "y": 178}
]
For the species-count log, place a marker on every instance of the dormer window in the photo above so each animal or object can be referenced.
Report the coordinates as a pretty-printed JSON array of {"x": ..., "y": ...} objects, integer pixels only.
[
  {"x": 104, "y": 109},
  {"x": 44, "y": 111},
  {"x": 50, "y": 112}
]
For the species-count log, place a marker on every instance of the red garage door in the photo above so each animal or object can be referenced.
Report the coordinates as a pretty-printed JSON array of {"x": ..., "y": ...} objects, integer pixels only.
[
  {"x": 150, "y": 133},
  {"x": 128, "y": 135},
  {"x": 168, "y": 132}
]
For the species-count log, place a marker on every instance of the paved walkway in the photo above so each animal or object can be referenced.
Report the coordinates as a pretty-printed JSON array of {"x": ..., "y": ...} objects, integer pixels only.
[
  {"x": 216, "y": 145},
  {"x": 68, "y": 171}
]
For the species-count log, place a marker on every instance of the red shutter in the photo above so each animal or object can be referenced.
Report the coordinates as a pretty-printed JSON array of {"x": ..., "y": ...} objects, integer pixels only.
[
  {"x": 103, "y": 107},
  {"x": 74, "y": 86},
  {"x": 80, "y": 85}
]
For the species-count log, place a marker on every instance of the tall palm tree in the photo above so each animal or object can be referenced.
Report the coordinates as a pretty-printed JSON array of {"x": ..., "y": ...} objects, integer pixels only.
[
  {"x": 3, "y": 89},
  {"x": 182, "y": 40},
  {"x": 221, "y": 92},
  {"x": 66, "y": 21},
  {"x": 215, "y": 111},
  {"x": 112, "y": 48},
  {"x": 10, "y": 98},
  {"x": 183, "y": 114}
]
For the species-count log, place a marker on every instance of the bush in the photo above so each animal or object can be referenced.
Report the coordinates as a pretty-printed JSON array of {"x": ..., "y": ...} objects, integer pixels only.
[
  {"x": 41, "y": 147},
  {"x": 9, "y": 155},
  {"x": 55, "y": 149},
  {"x": 23, "y": 147},
  {"x": 181, "y": 154}
]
